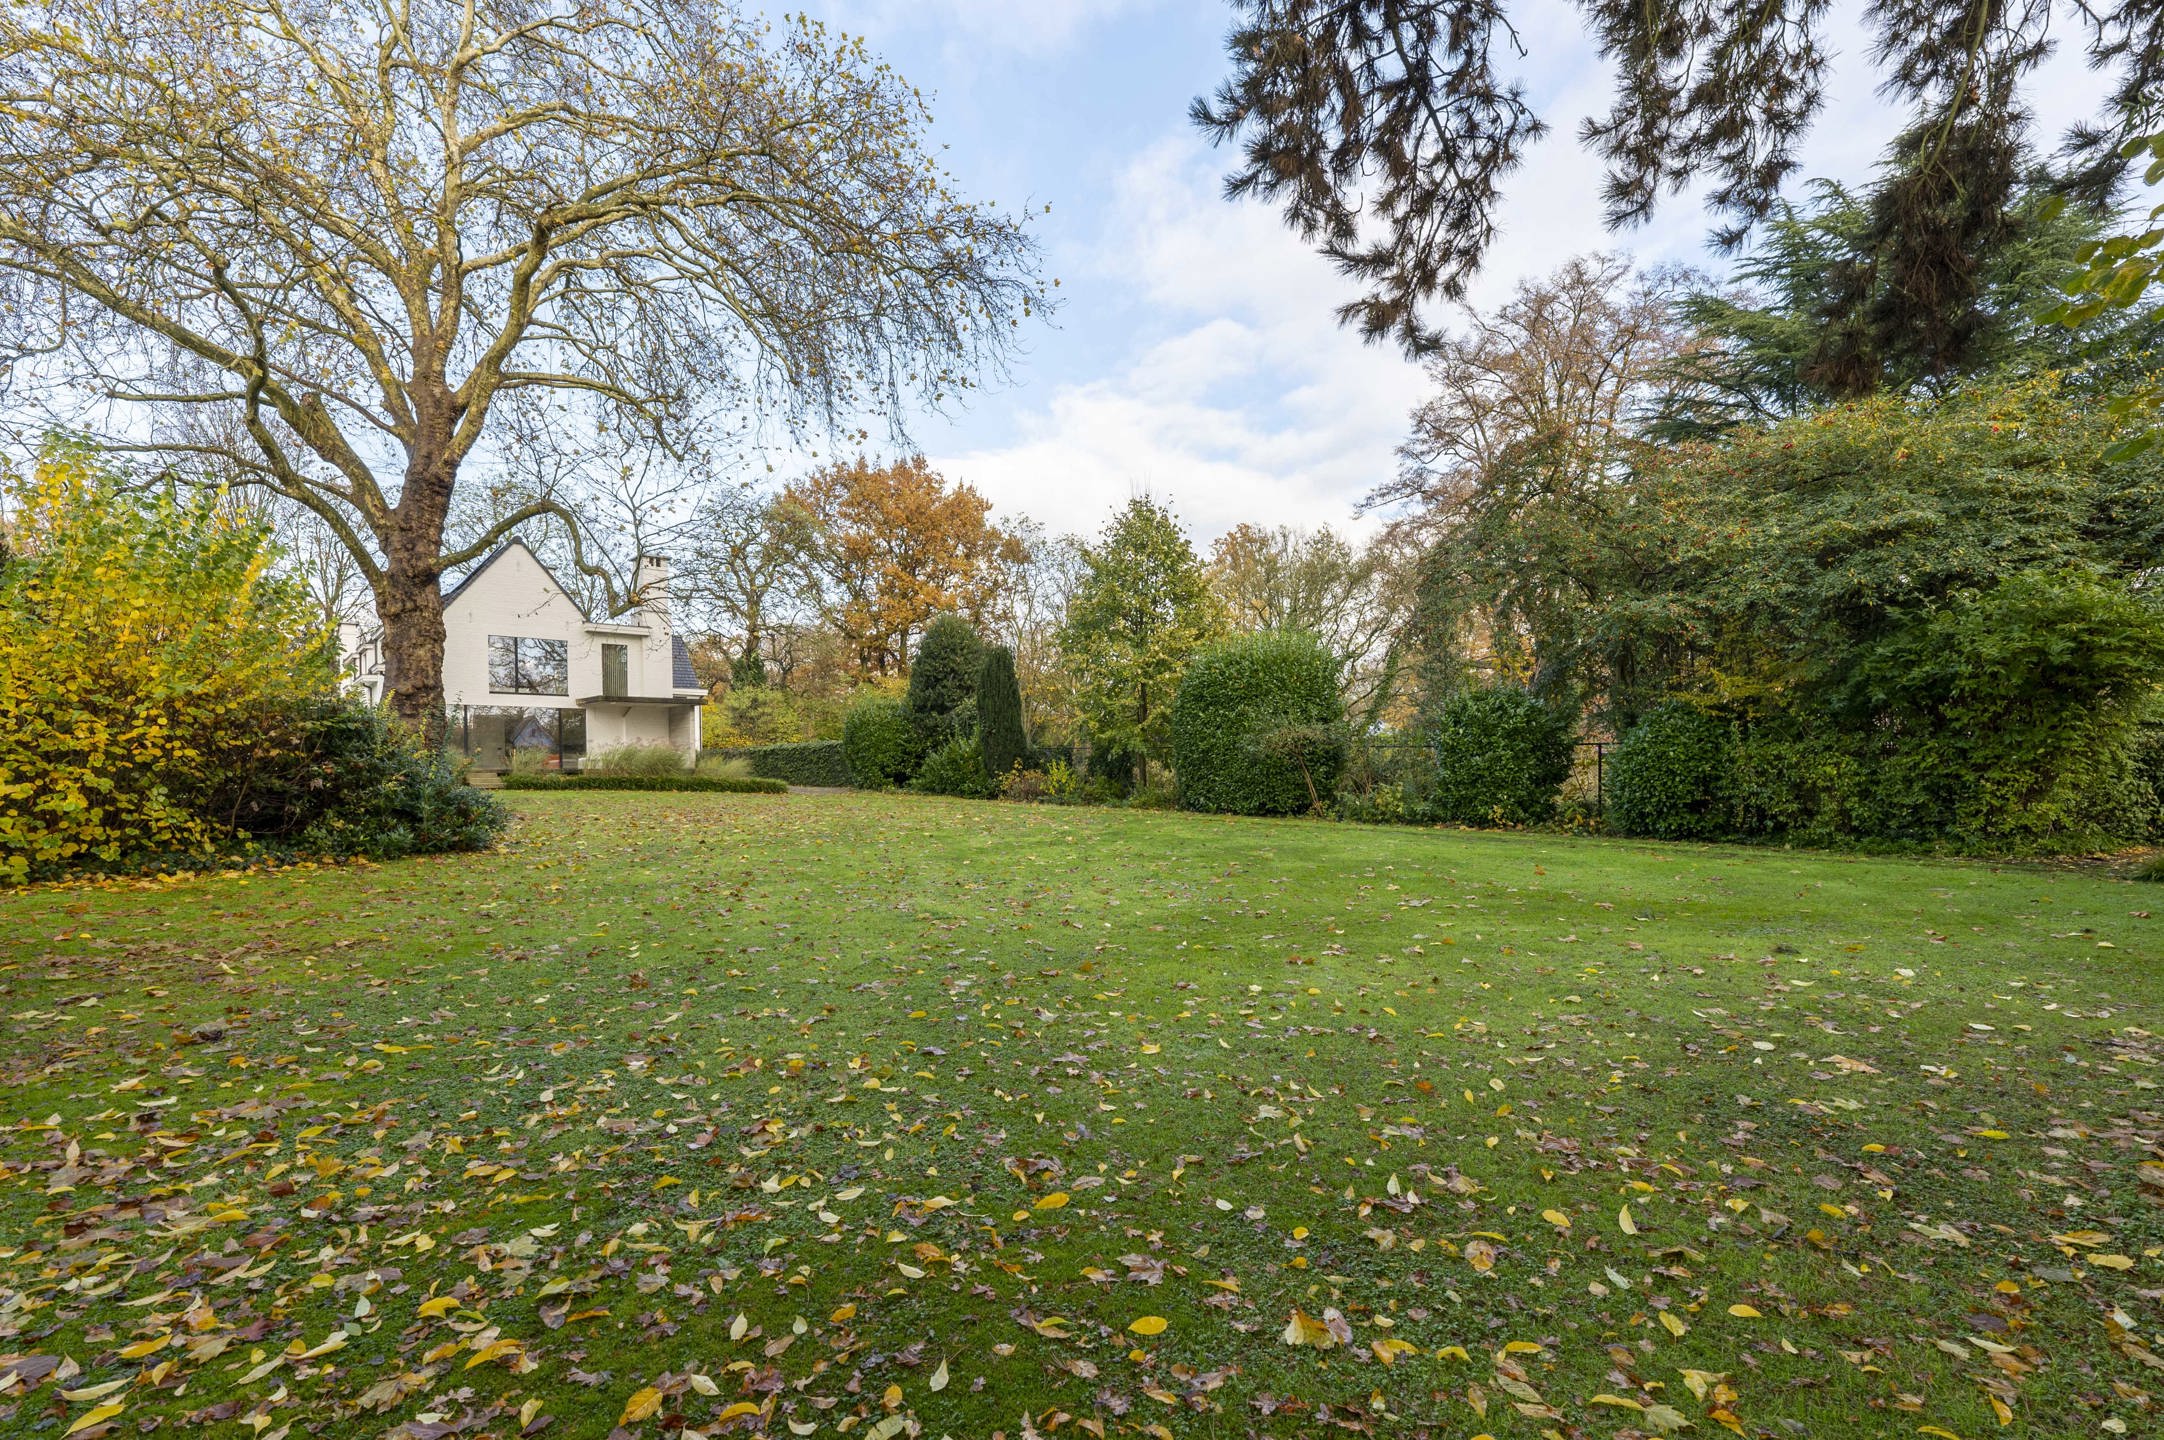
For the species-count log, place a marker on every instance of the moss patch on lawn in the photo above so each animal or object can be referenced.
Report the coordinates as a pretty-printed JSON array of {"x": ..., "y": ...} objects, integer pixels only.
[{"x": 888, "y": 1115}]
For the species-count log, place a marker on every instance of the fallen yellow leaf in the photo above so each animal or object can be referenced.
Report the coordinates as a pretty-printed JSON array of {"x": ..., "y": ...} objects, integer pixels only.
[
  {"x": 494, "y": 1350},
  {"x": 1053, "y": 1201},
  {"x": 1744, "y": 1312},
  {"x": 1148, "y": 1325},
  {"x": 641, "y": 1405},
  {"x": 98, "y": 1416}
]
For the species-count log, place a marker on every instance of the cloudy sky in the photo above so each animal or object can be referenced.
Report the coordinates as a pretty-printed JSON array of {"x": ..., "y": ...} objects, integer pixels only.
[{"x": 1196, "y": 355}]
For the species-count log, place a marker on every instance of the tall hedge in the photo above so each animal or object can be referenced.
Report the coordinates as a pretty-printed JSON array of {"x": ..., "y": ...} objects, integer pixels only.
[
  {"x": 944, "y": 674},
  {"x": 999, "y": 712},
  {"x": 879, "y": 743},
  {"x": 1669, "y": 778},
  {"x": 811, "y": 762},
  {"x": 1257, "y": 726},
  {"x": 1501, "y": 757}
]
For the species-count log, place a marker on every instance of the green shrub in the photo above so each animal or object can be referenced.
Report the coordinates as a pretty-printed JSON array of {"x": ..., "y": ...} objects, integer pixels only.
[
  {"x": 960, "y": 723},
  {"x": 1382, "y": 804},
  {"x": 2013, "y": 712},
  {"x": 1113, "y": 768},
  {"x": 999, "y": 712},
  {"x": 1669, "y": 777},
  {"x": 814, "y": 762},
  {"x": 728, "y": 767},
  {"x": 879, "y": 744},
  {"x": 682, "y": 780},
  {"x": 167, "y": 698},
  {"x": 1239, "y": 706},
  {"x": 956, "y": 768},
  {"x": 1155, "y": 793},
  {"x": 944, "y": 674},
  {"x": 344, "y": 780},
  {"x": 1501, "y": 757},
  {"x": 640, "y": 759}
]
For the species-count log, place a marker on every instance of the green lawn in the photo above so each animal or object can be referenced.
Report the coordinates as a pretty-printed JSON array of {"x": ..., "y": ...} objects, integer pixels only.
[{"x": 860, "y": 1114}]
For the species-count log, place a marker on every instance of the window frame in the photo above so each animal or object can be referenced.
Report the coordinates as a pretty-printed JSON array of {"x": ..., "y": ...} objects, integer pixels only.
[{"x": 529, "y": 670}]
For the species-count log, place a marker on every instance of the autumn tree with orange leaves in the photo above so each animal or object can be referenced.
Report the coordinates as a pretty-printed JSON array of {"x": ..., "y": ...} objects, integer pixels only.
[{"x": 894, "y": 545}]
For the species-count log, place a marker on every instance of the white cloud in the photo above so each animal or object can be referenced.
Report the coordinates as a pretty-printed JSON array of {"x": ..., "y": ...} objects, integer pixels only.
[
  {"x": 1226, "y": 386},
  {"x": 1239, "y": 398}
]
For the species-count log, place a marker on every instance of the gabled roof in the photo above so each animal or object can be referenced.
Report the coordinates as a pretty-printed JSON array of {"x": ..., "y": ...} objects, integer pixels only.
[
  {"x": 500, "y": 553},
  {"x": 680, "y": 660},
  {"x": 497, "y": 554}
]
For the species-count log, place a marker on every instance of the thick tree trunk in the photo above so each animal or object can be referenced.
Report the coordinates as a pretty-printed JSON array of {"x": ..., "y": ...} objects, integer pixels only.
[
  {"x": 410, "y": 603},
  {"x": 410, "y": 599}
]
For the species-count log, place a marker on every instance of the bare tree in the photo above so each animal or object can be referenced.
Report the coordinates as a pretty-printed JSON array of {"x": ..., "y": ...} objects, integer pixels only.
[
  {"x": 745, "y": 561},
  {"x": 1037, "y": 578},
  {"x": 1354, "y": 598},
  {"x": 356, "y": 251},
  {"x": 1538, "y": 396},
  {"x": 1520, "y": 454}
]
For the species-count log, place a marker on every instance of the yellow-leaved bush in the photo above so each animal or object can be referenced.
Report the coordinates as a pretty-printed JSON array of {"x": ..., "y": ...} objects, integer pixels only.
[{"x": 144, "y": 641}]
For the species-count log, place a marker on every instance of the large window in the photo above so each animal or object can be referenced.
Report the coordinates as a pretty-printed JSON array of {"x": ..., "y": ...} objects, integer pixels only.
[
  {"x": 518, "y": 665},
  {"x": 493, "y": 735}
]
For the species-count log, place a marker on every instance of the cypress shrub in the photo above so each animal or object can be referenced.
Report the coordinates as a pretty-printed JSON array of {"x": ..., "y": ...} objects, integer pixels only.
[
  {"x": 1257, "y": 727},
  {"x": 879, "y": 744},
  {"x": 1669, "y": 777},
  {"x": 999, "y": 713},
  {"x": 945, "y": 672},
  {"x": 1501, "y": 758},
  {"x": 747, "y": 672}
]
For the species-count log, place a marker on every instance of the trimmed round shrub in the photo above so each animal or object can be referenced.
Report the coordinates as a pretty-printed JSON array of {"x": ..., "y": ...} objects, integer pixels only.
[
  {"x": 955, "y": 768},
  {"x": 1669, "y": 777},
  {"x": 1257, "y": 728},
  {"x": 879, "y": 743},
  {"x": 945, "y": 672},
  {"x": 999, "y": 713},
  {"x": 1501, "y": 758}
]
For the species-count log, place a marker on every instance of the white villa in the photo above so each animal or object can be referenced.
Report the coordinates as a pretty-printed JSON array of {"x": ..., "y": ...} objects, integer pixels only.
[{"x": 525, "y": 668}]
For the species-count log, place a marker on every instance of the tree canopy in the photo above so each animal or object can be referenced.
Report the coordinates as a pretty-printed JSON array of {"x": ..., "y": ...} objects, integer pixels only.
[
  {"x": 1141, "y": 609},
  {"x": 1385, "y": 128},
  {"x": 347, "y": 250}
]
